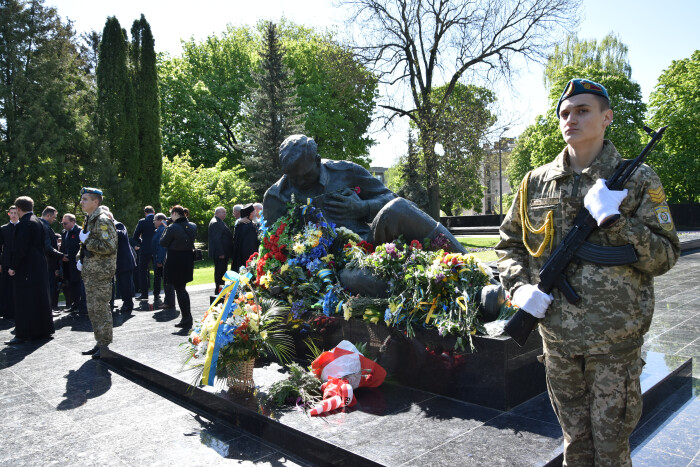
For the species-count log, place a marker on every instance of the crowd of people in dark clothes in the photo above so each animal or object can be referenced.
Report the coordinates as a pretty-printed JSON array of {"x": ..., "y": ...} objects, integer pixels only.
[
  {"x": 235, "y": 245},
  {"x": 34, "y": 257}
]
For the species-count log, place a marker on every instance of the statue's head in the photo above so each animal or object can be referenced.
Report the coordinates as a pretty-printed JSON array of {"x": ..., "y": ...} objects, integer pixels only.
[{"x": 300, "y": 161}]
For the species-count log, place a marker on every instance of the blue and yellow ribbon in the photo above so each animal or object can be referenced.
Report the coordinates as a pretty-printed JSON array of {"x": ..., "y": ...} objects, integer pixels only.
[
  {"x": 325, "y": 275},
  {"x": 233, "y": 281}
]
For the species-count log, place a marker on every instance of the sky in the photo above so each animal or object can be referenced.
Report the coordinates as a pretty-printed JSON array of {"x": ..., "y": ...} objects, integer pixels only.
[{"x": 656, "y": 33}]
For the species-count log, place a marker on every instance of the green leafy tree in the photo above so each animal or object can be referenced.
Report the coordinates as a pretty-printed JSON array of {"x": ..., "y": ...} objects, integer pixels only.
[
  {"x": 416, "y": 46},
  {"x": 541, "y": 142},
  {"x": 609, "y": 55},
  {"x": 461, "y": 131},
  {"x": 202, "y": 94},
  {"x": 410, "y": 172},
  {"x": 335, "y": 92},
  {"x": 148, "y": 112},
  {"x": 272, "y": 114},
  {"x": 203, "y": 91},
  {"x": 118, "y": 125},
  {"x": 201, "y": 189},
  {"x": 676, "y": 102},
  {"x": 45, "y": 107}
]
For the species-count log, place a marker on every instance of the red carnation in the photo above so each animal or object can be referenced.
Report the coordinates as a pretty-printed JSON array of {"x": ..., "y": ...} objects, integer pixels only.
[{"x": 416, "y": 244}]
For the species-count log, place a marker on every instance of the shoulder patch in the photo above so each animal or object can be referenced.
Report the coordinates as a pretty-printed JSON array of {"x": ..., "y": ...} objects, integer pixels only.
[
  {"x": 104, "y": 227},
  {"x": 663, "y": 215},
  {"x": 657, "y": 195},
  {"x": 105, "y": 235}
]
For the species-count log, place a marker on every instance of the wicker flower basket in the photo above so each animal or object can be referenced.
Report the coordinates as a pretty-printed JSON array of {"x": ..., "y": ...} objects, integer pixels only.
[{"x": 239, "y": 375}]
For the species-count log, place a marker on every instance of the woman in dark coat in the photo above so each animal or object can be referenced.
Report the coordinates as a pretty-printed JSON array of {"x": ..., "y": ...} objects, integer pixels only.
[
  {"x": 245, "y": 238},
  {"x": 29, "y": 273},
  {"x": 179, "y": 262}
]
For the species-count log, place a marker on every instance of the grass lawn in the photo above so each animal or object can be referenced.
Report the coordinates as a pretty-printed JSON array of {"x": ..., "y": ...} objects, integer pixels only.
[
  {"x": 481, "y": 242},
  {"x": 203, "y": 272}
]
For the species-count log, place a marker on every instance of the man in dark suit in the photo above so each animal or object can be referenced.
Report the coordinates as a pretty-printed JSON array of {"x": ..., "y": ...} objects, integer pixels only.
[
  {"x": 70, "y": 246},
  {"x": 126, "y": 262},
  {"x": 220, "y": 245},
  {"x": 143, "y": 234},
  {"x": 29, "y": 272},
  {"x": 7, "y": 236},
  {"x": 53, "y": 254}
]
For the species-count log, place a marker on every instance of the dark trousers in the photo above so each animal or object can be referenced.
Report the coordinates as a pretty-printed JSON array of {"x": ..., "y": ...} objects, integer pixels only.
[
  {"x": 125, "y": 289},
  {"x": 157, "y": 280},
  {"x": 53, "y": 289},
  {"x": 74, "y": 294},
  {"x": 7, "y": 296},
  {"x": 220, "y": 267},
  {"x": 144, "y": 269},
  {"x": 183, "y": 301}
]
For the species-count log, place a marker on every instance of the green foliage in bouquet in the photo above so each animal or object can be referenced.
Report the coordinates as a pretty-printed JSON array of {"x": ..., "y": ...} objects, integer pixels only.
[
  {"x": 301, "y": 387},
  {"x": 255, "y": 327},
  {"x": 301, "y": 255},
  {"x": 428, "y": 288}
]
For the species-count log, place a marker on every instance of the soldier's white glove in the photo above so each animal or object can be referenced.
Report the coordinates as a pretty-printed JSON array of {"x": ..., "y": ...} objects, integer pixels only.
[
  {"x": 602, "y": 202},
  {"x": 83, "y": 236},
  {"x": 79, "y": 265},
  {"x": 531, "y": 299}
]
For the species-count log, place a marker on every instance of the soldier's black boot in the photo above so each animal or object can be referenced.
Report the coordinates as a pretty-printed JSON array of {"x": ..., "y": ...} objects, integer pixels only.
[
  {"x": 100, "y": 352},
  {"x": 91, "y": 351}
]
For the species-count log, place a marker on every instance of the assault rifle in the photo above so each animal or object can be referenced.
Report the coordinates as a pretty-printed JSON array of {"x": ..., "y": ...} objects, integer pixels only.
[{"x": 574, "y": 245}]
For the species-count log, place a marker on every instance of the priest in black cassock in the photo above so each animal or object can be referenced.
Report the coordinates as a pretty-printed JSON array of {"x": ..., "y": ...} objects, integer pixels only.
[
  {"x": 245, "y": 238},
  {"x": 30, "y": 278},
  {"x": 7, "y": 237}
]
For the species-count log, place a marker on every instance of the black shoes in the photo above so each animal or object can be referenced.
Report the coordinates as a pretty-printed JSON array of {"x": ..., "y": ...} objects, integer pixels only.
[
  {"x": 184, "y": 324},
  {"x": 92, "y": 351},
  {"x": 16, "y": 341},
  {"x": 165, "y": 306},
  {"x": 96, "y": 355}
]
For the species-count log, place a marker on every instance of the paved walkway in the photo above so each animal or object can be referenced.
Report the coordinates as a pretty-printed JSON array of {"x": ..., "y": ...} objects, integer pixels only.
[{"x": 61, "y": 408}]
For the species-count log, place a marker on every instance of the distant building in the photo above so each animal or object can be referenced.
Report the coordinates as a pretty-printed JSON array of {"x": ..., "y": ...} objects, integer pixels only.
[{"x": 378, "y": 173}]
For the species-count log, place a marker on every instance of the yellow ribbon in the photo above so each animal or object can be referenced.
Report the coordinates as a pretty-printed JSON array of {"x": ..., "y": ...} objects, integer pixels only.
[
  {"x": 210, "y": 347},
  {"x": 432, "y": 308}
]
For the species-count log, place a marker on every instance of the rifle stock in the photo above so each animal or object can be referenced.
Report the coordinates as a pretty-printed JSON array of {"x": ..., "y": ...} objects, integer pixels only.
[{"x": 552, "y": 274}]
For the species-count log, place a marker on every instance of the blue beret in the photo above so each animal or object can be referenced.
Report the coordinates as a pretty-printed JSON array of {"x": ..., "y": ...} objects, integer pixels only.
[
  {"x": 582, "y": 86},
  {"x": 94, "y": 191}
]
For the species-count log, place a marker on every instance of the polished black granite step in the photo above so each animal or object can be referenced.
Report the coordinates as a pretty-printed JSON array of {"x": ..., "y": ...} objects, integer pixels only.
[{"x": 395, "y": 424}]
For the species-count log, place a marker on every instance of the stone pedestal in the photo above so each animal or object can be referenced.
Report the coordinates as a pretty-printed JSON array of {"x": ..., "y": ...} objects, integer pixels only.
[{"x": 497, "y": 374}]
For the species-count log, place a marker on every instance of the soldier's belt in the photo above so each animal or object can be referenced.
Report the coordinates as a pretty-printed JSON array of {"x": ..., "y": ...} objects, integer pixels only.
[{"x": 607, "y": 255}]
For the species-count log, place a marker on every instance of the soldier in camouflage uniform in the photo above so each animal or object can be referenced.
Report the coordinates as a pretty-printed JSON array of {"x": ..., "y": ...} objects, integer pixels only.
[
  {"x": 98, "y": 262},
  {"x": 592, "y": 350}
]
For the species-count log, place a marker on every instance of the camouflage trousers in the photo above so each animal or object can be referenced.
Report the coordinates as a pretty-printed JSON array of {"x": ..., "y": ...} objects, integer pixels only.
[
  {"x": 98, "y": 293},
  {"x": 598, "y": 401}
]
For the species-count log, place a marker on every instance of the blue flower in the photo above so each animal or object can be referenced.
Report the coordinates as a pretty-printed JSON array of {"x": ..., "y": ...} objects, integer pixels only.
[
  {"x": 330, "y": 300},
  {"x": 297, "y": 308},
  {"x": 387, "y": 315},
  {"x": 312, "y": 266}
]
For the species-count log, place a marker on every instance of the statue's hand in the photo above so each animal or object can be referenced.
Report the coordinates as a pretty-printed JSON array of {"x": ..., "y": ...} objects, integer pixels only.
[{"x": 346, "y": 204}]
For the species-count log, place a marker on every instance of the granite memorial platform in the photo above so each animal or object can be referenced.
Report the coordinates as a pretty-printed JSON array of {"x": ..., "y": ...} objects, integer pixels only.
[{"x": 393, "y": 424}]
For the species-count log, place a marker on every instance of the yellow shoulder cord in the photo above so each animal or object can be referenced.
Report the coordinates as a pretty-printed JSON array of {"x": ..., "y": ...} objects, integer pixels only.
[{"x": 547, "y": 227}]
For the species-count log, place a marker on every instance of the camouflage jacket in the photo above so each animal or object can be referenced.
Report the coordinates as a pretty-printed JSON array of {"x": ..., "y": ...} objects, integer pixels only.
[
  {"x": 99, "y": 252},
  {"x": 617, "y": 301}
]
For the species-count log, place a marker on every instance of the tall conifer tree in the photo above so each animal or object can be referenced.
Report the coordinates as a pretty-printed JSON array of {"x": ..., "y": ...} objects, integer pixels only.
[
  {"x": 117, "y": 124},
  {"x": 143, "y": 58},
  {"x": 273, "y": 115},
  {"x": 412, "y": 188}
]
